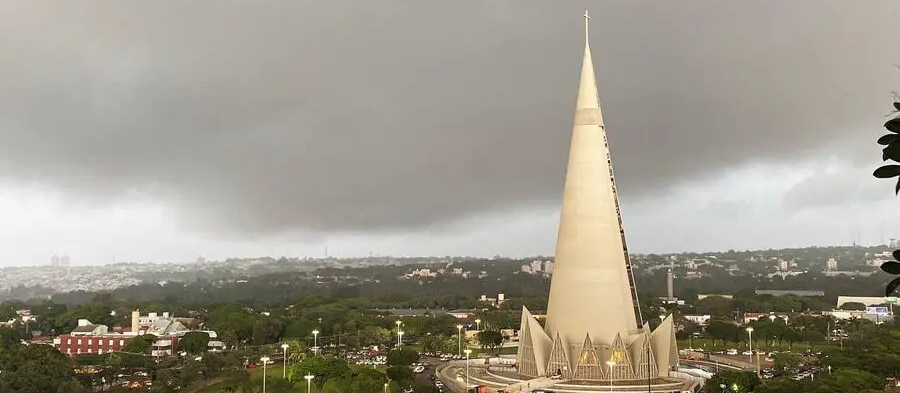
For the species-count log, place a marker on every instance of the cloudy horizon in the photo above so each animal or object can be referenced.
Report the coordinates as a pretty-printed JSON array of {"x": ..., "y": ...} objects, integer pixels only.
[{"x": 229, "y": 129}]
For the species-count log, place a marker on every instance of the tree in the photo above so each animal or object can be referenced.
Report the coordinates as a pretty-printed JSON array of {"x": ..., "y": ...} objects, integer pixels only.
[
  {"x": 34, "y": 369},
  {"x": 787, "y": 361},
  {"x": 139, "y": 344},
  {"x": 891, "y": 151},
  {"x": 851, "y": 380},
  {"x": 432, "y": 343},
  {"x": 401, "y": 374},
  {"x": 322, "y": 368},
  {"x": 722, "y": 330},
  {"x": 853, "y": 306},
  {"x": 9, "y": 337},
  {"x": 727, "y": 381},
  {"x": 194, "y": 343},
  {"x": 402, "y": 357},
  {"x": 489, "y": 339},
  {"x": 364, "y": 380},
  {"x": 716, "y": 306}
]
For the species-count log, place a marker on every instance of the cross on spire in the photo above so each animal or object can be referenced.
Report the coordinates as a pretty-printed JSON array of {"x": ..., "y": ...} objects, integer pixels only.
[{"x": 587, "y": 18}]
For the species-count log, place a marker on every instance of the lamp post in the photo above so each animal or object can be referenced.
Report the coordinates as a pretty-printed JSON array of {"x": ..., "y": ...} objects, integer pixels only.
[
  {"x": 398, "y": 322},
  {"x": 284, "y": 361},
  {"x": 468, "y": 352},
  {"x": 399, "y": 339},
  {"x": 478, "y": 325},
  {"x": 750, "y": 344},
  {"x": 308, "y": 378},
  {"x": 610, "y": 363},
  {"x": 315, "y": 341},
  {"x": 264, "y": 360},
  {"x": 459, "y": 339}
]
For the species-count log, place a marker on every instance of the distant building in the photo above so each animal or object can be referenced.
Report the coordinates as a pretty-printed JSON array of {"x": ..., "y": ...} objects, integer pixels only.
[
  {"x": 756, "y": 316},
  {"x": 701, "y": 320},
  {"x": 86, "y": 328},
  {"x": 878, "y": 315},
  {"x": 410, "y": 312},
  {"x": 706, "y": 295},
  {"x": 670, "y": 284},
  {"x": 422, "y": 273},
  {"x": 461, "y": 314},
  {"x": 76, "y": 344},
  {"x": 866, "y": 300},
  {"x": 548, "y": 267},
  {"x": 831, "y": 265},
  {"x": 493, "y": 301},
  {"x": 783, "y": 265},
  {"x": 795, "y": 292}
]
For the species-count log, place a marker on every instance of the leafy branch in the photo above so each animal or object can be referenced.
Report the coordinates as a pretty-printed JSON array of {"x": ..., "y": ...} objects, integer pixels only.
[{"x": 891, "y": 152}]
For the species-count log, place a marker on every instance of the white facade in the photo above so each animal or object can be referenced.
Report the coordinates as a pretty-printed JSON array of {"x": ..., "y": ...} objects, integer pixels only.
[
  {"x": 592, "y": 329},
  {"x": 831, "y": 264}
]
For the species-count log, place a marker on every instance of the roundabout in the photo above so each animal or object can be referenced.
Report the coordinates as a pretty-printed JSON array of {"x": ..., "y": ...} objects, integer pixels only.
[{"x": 505, "y": 379}]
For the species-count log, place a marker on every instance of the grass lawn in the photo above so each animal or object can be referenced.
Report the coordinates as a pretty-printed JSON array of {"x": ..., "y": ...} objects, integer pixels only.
[
  {"x": 716, "y": 345},
  {"x": 477, "y": 351},
  {"x": 275, "y": 372}
]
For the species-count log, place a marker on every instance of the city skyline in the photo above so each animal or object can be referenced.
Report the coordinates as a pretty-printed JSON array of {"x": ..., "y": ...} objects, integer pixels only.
[{"x": 222, "y": 132}]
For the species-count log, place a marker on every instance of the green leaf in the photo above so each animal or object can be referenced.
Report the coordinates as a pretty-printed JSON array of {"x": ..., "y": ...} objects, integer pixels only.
[
  {"x": 887, "y": 172},
  {"x": 893, "y": 125},
  {"x": 891, "y": 287},
  {"x": 891, "y": 267},
  {"x": 891, "y": 152},
  {"x": 887, "y": 139}
]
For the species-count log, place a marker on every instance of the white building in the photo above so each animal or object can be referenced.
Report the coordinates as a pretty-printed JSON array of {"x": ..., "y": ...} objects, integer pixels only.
[
  {"x": 783, "y": 265},
  {"x": 701, "y": 320},
  {"x": 548, "y": 267}
]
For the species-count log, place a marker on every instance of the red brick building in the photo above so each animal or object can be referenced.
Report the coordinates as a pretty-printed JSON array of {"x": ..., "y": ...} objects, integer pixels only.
[
  {"x": 75, "y": 344},
  {"x": 91, "y": 344}
]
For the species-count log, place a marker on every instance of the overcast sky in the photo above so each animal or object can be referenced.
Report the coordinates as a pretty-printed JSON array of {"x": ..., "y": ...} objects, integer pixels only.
[{"x": 168, "y": 130}]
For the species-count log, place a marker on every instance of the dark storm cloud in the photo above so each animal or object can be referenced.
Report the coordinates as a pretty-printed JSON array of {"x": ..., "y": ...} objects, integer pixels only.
[{"x": 361, "y": 115}]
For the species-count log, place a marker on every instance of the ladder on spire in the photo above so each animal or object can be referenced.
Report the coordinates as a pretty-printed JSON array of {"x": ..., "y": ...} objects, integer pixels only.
[{"x": 634, "y": 296}]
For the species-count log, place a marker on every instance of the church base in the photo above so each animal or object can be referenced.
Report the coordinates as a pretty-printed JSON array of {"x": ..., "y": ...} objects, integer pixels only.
[{"x": 504, "y": 379}]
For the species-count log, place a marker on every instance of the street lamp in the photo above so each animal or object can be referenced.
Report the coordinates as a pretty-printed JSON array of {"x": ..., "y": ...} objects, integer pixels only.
[
  {"x": 478, "y": 325},
  {"x": 750, "y": 344},
  {"x": 468, "y": 352},
  {"x": 399, "y": 339},
  {"x": 398, "y": 322},
  {"x": 308, "y": 378},
  {"x": 284, "y": 361},
  {"x": 610, "y": 363},
  {"x": 315, "y": 341},
  {"x": 264, "y": 360},
  {"x": 459, "y": 339}
]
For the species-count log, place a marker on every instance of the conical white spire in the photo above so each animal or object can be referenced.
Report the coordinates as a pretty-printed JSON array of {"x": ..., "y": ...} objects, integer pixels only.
[
  {"x": 592, "y": 296},
  {"x": 590, "y": 291}
]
